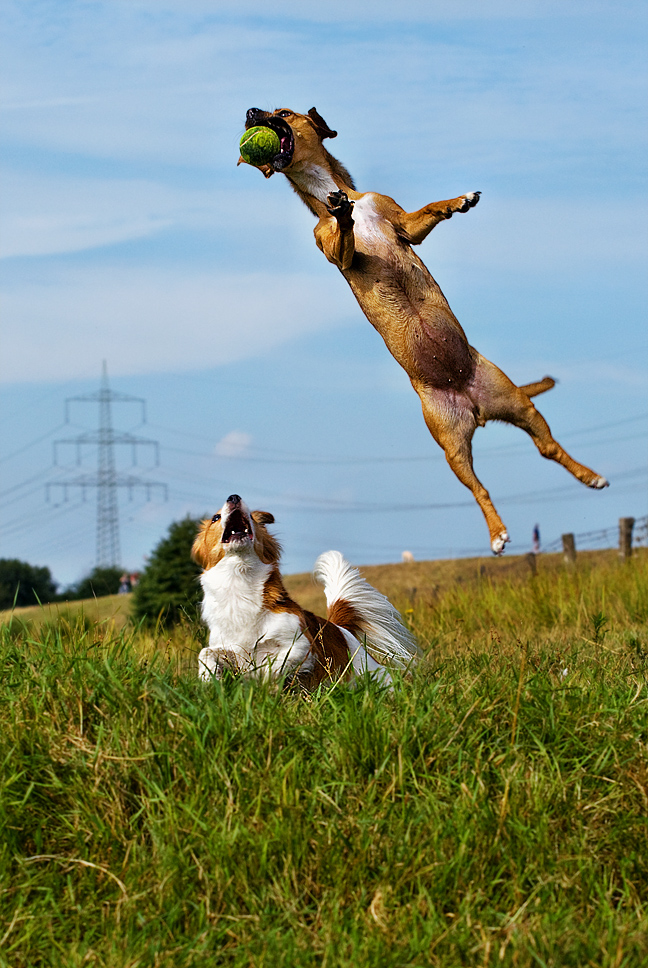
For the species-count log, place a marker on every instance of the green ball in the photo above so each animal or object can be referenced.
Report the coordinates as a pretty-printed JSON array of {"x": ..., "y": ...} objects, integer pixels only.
[{"x": 259, "y": 145}]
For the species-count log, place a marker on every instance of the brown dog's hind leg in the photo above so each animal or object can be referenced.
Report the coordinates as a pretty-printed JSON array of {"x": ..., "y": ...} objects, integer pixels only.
[
  {"x": 538, "y": 429},
  {"x": 453, "y": 427},
  {"x": 416, "y": 226},
  {"x": 498, "y": 398}
]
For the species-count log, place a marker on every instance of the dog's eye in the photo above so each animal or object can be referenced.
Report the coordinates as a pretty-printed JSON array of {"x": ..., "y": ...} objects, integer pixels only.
[
  {"x": 216, "y": 517},
  {"x": 284, "y": 114}
]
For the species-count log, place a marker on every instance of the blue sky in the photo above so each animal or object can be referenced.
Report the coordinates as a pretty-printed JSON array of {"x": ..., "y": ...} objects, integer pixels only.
[{"x": 130, "y": 235}]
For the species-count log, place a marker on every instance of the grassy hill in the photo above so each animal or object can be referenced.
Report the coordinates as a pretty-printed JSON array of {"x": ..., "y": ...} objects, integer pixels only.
[
  {"x": 490, "y": 810},
  {"x": 110, "y": 608},
  {"x": 406, "y": 582},
  {"x": 402, "y": 582}
]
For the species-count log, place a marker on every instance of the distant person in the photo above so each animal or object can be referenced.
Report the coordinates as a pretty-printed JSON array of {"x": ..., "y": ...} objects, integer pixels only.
[
  {"x": 124, "y": 585},
  {"x": 134, "y": 579},
  {"x": 536, "y": 539}
]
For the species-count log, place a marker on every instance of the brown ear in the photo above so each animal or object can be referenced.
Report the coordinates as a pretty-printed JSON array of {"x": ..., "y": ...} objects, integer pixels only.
[
  {"x": 320, "y": 125},
  {"x": 199, "y": 550},
  {"x": 263, "y": 517}
]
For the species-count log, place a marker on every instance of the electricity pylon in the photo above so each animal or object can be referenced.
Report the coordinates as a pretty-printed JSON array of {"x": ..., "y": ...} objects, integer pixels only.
[{"x": 107, "y": 479}]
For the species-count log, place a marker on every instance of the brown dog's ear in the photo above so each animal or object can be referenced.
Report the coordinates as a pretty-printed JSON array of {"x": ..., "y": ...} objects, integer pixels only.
[
  {"x": 320, "y": 125},
  {"x": 265, "y": 544},
  {"x": 200, "y": 550}
]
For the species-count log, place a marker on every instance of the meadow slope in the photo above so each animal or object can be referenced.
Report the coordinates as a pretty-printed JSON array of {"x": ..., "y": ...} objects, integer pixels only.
[{"x": 490, "y": 811}]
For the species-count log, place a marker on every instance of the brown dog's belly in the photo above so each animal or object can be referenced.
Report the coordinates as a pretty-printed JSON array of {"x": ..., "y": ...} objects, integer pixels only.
[{"x": 403, "y": 302}]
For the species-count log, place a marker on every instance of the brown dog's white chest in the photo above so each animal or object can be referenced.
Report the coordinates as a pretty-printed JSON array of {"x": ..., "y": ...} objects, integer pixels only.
[
  {"x": 403, "y": 302},
  {"x": 374, "y": 234},
  {"x": 313, "y": 180}
]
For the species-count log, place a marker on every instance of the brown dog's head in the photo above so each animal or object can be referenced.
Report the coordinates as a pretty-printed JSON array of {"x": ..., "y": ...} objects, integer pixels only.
[
  {"x": 235, "y": 530},
  {"x": 300, "y": 135}
]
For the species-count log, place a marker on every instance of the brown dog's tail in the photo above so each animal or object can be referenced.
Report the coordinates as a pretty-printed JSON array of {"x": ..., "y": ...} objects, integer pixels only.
[{"x": 533, "y": 389}]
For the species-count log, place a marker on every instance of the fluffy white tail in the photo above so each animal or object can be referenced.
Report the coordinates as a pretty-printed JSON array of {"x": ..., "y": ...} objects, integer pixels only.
[{"x": 357, "y": 606}]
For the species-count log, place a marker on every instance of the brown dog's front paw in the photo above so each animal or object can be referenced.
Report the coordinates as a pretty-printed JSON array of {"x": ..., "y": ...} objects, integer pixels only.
[
  {"x": 470, "y": 200},
  {"x": 339, "y": 206},
  {"x": 498, "y": 542},
  {"x": 338, "y": 200}
]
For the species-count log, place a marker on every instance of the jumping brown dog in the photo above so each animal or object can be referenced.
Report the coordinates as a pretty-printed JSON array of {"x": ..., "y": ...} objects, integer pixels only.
[{"x": 369, "y": 238}]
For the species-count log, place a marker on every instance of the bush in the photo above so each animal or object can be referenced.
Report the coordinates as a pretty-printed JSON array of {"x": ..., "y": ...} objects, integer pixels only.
[
  {"x": 168, "y": 588},
  {"x": 100, "y": 582},
  {"x": 24, "y": 584}
]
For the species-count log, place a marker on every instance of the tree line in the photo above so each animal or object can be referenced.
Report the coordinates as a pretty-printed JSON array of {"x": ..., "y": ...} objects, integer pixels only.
[{"x": 168, "y": 589}]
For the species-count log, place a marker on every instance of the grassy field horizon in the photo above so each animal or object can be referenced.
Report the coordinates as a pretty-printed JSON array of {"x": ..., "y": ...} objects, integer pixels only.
[
  {"x": 400, "y": 580},
  {"x": 492, "y": 809}
]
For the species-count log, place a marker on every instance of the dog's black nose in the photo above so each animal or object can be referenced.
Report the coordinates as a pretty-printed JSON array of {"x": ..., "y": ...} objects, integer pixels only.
[
  {"x": 234, "y": 499},
  {"x": 253, "y": 113}
]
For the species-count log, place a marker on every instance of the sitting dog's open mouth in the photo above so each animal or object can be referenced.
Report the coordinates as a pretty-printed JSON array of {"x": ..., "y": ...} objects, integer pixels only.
[
  {"x": 281, "y": 128},
  {"x": 238, "y": 528}
]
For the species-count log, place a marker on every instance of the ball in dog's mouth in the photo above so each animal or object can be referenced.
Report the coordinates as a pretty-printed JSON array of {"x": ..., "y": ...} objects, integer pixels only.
[
  {"x": 256, "y": 118},
  {"x": 259, "y": 145}
]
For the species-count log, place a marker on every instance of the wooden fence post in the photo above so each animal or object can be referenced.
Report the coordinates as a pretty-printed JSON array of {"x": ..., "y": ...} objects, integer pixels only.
[
  {"x": 625, "y": 538},
  {"x": 569, "y": 549},
  {"x": 532, "y": 563}
]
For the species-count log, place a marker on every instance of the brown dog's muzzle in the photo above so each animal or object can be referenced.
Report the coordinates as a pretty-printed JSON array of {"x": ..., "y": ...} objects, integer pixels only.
[{"x": 255, "y": 117}]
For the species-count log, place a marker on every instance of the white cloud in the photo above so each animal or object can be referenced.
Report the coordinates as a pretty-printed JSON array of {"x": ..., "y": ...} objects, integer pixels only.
[
  {"x": 144, "y": 320},
  {"x": 129, "y": 81},
  {"x": 60, "y": 320},
  {"x": 233, "y": 444},
  {"x": 52, "y": 214},
  {"x": 160, "y": 87}
]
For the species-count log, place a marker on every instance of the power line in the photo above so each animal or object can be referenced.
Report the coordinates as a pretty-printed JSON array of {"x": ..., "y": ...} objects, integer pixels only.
[
  {"x": 279, "y": 457},
  {"x": 28, "y": 522},
  {"x": 327, "y": 505},
  {"x": 29, "y": 480},
  {"x": 283, "y": 457},
  {"x": 32, "y": 443},
  {"x": 306, "y": 504}
]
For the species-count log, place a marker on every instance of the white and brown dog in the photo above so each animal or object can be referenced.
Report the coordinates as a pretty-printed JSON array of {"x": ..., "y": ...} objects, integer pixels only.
[
  {"x": 369, "y": 238},
  {"x": 255, "y": 627}
]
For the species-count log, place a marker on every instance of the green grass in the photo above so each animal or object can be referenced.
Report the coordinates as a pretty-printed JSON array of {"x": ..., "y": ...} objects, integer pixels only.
[
  {"x": 492, "y": 810},
  {"x": 108, "y": 608}
]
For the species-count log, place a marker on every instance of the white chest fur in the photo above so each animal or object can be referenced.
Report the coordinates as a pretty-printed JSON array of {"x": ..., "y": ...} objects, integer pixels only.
[
  {"x": 313, "y": 180},
  {"x": 262, "y": 642},
  {"x": 368, "y": 225}
]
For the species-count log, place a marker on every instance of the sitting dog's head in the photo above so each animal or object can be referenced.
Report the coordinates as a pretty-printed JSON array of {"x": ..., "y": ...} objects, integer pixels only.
[
  {"x": 300, "y": 135},
  {"x": 235, "y": 530}
]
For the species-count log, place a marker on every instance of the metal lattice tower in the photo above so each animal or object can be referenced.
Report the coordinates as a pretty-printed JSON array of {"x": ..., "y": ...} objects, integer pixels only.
[{"x": 107, "y": 479}]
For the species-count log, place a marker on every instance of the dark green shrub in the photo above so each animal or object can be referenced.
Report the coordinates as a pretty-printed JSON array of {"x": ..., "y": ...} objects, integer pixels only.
[
  {"x": 168, "y": 588},
  {"x": 24, "y": 584},
  {"x": 100, "y": 582}
]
